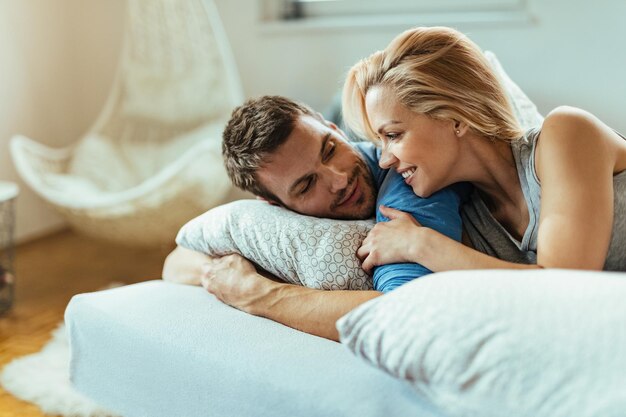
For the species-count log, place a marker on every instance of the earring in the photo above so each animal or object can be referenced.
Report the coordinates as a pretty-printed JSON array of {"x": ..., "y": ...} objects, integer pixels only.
[{"x": 458, "y": 132}]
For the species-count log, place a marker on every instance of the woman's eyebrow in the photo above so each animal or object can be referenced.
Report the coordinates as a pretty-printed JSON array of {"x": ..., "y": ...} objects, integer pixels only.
[{"x": 384, "y": 125}]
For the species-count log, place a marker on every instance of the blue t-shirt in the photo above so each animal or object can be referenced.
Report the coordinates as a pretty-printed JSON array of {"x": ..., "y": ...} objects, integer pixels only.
[{"x": 440, "y": 211}]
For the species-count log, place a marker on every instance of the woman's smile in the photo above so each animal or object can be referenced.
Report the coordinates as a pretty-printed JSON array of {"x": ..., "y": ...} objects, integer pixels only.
[{"x": 408, "y": 174}]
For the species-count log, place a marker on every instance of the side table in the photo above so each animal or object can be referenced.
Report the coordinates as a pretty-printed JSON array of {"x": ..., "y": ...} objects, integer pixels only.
[{"x": 8, "y": 194}]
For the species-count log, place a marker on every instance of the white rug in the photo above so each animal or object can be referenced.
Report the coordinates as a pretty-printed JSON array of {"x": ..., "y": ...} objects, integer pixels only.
[{"x": 43, "y": 379}]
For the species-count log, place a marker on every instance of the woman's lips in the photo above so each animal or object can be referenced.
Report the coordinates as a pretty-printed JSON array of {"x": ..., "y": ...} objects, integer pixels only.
[{"x": 408, "y": 176}]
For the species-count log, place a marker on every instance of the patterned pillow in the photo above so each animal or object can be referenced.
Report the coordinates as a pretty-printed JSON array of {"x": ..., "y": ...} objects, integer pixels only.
[{"x": 303, "y": 250}]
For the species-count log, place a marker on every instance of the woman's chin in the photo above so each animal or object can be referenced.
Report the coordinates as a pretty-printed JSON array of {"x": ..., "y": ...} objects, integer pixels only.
[{"x": 421, "y": 191}]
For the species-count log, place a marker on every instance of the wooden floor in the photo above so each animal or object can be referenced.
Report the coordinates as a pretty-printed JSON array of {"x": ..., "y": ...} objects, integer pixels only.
[{"x": 49, "y": 271}]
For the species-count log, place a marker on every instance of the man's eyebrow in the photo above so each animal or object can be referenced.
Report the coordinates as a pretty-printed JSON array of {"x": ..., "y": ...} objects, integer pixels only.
[
  {"x": 384, "y": 125},
  {"x": 323, "y": 147},
  {"x": 306, "y": 176}
]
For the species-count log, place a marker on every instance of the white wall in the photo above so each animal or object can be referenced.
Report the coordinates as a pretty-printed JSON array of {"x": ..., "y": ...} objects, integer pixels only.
[
  {"x": 574, "y": 54},
  {"x": 34, "y": 99},
  {"x": 57, "y": 60}
]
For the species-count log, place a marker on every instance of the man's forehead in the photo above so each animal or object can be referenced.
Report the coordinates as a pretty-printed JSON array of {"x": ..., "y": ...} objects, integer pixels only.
[
  {"x": 293, "y": 158},
  {"x": 302, "y": 143},
  {"x": 299, "y": 154}
]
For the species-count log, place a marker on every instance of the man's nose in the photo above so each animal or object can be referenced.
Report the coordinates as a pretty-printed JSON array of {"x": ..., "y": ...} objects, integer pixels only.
[
  {"x": 387, "y": 159},
  {"x": 337, "y": 179}
]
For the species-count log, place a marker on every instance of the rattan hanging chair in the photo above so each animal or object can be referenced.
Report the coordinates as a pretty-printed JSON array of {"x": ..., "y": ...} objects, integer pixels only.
[{"x": 152, "y": 160}]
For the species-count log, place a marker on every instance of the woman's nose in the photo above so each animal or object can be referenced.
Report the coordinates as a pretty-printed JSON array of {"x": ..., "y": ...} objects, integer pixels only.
[{"x": 387, "y": 159}]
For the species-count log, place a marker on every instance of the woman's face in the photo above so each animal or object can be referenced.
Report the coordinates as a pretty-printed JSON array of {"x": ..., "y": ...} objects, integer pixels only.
[{"x": 422, "y": 149}]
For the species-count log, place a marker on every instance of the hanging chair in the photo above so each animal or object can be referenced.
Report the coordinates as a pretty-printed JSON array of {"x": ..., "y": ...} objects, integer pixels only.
[{"x": 152, "y": 160}]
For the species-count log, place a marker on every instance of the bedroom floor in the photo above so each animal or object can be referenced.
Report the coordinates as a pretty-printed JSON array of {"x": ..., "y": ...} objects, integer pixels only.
[{"x": 49, "y": 271}]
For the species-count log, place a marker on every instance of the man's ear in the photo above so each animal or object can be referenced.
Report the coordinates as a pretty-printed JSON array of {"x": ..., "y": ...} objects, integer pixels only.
[
  {"x": 326, "y": 122},
  {"x": 270, "y": 202},
  {"x": 333, "y": 127}
]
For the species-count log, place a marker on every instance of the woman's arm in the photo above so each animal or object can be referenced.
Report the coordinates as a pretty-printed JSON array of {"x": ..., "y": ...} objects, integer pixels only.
[
  {"x": 576, "y": 158},
  {"x": 403, "y": 239}
]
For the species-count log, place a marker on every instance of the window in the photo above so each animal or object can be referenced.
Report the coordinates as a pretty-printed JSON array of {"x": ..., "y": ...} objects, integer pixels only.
[
  {"x": 338, "y": 13},
  {"x": 295, "y": 9}
]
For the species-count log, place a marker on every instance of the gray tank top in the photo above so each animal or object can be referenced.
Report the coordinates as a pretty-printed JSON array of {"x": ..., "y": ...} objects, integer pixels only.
[{"x": 488, "y": 236}]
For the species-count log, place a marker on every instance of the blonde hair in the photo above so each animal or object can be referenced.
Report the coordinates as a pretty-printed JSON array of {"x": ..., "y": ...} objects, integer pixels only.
[{"x": 436, "y": 71}]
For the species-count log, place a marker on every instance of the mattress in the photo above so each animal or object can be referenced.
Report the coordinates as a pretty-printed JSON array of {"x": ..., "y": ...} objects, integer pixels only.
[{"x": 158, "y": 349}]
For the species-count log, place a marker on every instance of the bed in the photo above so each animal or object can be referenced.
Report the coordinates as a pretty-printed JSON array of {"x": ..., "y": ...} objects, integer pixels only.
[
  {"x": 159, "y": 349},
  {"x": 528, "y": 343}
]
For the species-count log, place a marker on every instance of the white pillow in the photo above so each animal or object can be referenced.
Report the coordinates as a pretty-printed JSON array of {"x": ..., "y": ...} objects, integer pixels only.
[
  {"x": 317, "y": 253},
  {"x": 536, "y": 343},
  {"x": 524, "y": 109}
]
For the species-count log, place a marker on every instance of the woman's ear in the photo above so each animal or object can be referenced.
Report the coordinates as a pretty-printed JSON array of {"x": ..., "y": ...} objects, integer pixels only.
[{"x": 460, "y": 128}]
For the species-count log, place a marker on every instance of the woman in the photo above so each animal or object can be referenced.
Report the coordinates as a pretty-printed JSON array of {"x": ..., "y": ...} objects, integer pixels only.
[{"x": 554, "y": 196}]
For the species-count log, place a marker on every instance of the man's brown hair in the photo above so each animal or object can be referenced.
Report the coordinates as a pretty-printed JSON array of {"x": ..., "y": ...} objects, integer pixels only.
[{"x": 255, "y": 130}]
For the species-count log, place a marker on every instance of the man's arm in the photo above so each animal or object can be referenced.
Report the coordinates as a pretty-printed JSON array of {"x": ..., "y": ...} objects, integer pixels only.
[
  {"x": 184, "y": 266},
  {"x": 234, "y": 280},
  {"x": 309, "y": 310},
  {"x": 439, "y": 212}
]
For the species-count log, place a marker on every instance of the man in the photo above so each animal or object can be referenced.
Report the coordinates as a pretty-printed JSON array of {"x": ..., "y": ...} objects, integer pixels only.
[{"x": 287, "y": 154}]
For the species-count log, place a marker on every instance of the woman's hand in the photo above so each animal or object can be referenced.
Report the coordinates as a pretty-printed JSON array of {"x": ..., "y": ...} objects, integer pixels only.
[
  {"x": 234, "y": 280},
  {"x": 390, "y": 242}
]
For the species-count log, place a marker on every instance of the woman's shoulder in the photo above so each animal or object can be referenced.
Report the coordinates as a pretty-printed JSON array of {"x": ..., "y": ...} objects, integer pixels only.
[
  {"x": 571, "y": 136},
  {"x": 578, "y": 130},
  {"x": 570, "y": 119},
  {"x": 561, "y": 118},
  {"x": 568, "y": 123},
  {"x": 568, "y": 113}
]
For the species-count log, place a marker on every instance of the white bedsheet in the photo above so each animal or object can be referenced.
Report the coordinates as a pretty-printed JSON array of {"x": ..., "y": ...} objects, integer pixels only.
[{"x": 160, "y": 349}]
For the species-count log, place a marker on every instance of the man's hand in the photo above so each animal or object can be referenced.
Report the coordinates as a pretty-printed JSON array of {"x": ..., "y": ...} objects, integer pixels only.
[
  {"x": 184, "y": 266},
  {"x": 234, "y": 280}
]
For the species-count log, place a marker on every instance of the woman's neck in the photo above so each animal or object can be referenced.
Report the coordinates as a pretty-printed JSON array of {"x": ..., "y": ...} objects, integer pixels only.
[{"x": 492, "y": 169}]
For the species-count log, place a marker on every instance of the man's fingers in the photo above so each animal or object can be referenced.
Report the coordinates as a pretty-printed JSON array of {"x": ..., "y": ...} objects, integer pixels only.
[
  {"x": 206, "y": 275},
  {"x": 204, "y": 281}
]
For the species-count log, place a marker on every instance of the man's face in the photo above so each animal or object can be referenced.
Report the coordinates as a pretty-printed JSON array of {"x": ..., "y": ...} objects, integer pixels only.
[{"x": 317, "y": 173}]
